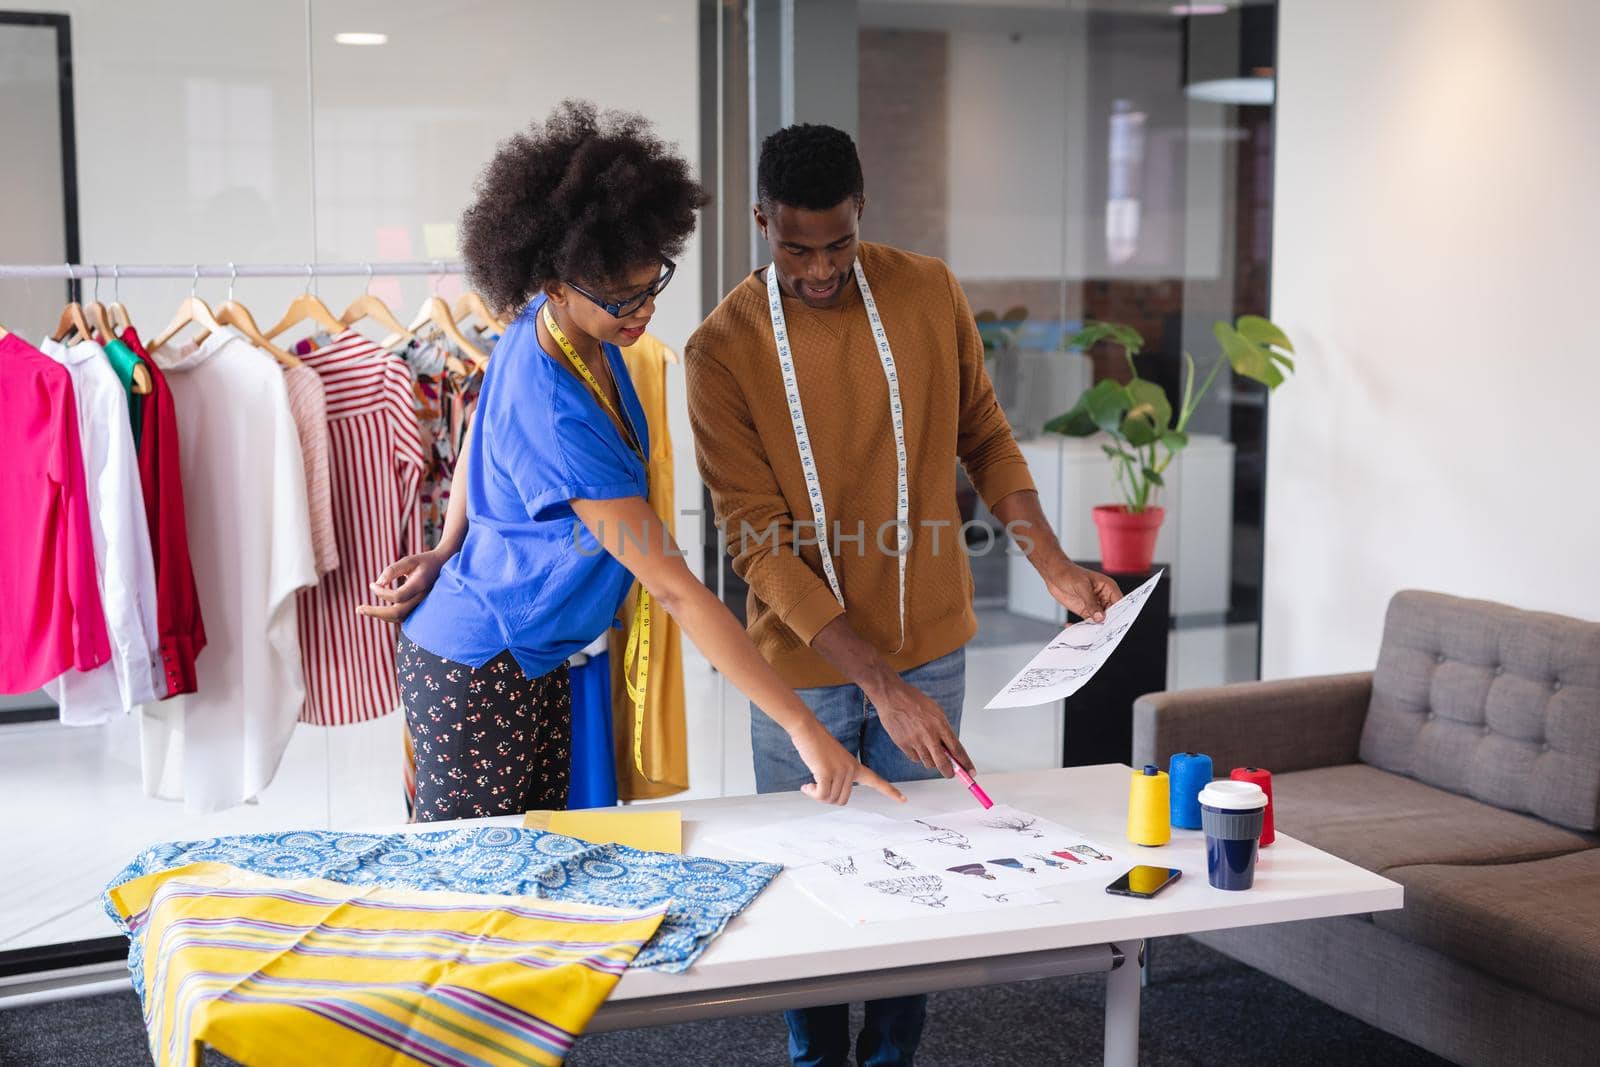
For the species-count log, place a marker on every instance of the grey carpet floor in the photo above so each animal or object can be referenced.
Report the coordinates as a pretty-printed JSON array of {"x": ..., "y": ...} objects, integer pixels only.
[{"x": 1200, "y": 1008}]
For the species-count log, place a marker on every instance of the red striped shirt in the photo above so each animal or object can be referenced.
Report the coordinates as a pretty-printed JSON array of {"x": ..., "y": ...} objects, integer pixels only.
[{"x": 376, "y": 463}]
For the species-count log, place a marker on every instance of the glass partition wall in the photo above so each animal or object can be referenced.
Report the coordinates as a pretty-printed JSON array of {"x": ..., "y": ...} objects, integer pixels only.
[
  {"x": 1072, "y": 161},
  {"x": 1069, "y": 160}
]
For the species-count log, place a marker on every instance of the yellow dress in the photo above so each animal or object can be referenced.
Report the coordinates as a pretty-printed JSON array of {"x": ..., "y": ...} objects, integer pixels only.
[
  {"x": 308, "y": 972},
  {"x": 663, "y": 749}
]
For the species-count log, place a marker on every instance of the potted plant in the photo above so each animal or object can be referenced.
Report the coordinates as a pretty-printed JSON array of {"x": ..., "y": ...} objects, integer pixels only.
[{"x": 1144, "y": 436}]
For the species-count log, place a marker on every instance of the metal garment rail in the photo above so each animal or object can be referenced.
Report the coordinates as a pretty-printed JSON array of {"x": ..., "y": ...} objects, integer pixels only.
[{"x": 114, "y": 271}]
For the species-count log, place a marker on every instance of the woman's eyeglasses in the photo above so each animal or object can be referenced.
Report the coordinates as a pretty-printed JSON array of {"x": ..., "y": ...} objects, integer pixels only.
[{"x": 621, "y": 309}]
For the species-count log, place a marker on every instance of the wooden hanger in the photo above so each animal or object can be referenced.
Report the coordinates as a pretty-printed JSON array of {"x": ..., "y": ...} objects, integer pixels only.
[
  {"x": 435, "y": 312},
  {"x": 367, "y": 306},
  {"x": 4, "y": 333},
  {"x": 95, "y": 311},
  {"x": 120, "y": 319},
  {"x": 192, "y": 310},
  {"x": 307, "y": 306},
  {"x": 232, "y": 313},
  {"x": 72, "y": 321},
  {"x": 469, "y": 304},
  {"x": 140, "y": 383}
]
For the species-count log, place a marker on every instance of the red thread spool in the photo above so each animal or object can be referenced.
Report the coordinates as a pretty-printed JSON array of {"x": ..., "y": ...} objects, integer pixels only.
[{"x": 1262, "y": 777}]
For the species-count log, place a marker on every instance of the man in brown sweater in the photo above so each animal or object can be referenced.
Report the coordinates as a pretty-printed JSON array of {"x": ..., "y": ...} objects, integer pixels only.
[{"x": 801, "y": 445}]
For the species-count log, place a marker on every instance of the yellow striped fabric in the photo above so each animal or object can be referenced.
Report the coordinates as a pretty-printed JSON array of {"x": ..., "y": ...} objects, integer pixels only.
[{"x": 310, "y": 972}]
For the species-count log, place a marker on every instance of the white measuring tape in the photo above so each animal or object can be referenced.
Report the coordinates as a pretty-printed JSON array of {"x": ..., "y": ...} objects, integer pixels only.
[{"x": 802, "y": 438}]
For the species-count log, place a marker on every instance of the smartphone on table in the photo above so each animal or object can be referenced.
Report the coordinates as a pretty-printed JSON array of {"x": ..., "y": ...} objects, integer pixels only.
[{"x": 1144, "y": 881}]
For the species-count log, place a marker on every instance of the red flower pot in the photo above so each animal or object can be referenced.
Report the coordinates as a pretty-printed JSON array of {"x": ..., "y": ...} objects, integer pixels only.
[{"x": 1127, "y": 538}]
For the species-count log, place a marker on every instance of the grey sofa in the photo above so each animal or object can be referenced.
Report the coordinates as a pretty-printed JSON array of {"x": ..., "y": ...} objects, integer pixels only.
[{"x": 1466, "y": 767}]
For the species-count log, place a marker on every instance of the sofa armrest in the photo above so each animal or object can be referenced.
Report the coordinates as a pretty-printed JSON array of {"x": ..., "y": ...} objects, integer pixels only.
[{"x": 1289, "y": 725}]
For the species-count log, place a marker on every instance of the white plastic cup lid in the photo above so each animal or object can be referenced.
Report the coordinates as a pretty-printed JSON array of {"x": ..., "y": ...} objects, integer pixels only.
[{"x": 1233, "y": 796}]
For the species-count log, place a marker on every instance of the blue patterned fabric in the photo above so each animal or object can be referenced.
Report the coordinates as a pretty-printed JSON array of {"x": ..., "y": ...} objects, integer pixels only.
[{"x": 703, "y": 893}]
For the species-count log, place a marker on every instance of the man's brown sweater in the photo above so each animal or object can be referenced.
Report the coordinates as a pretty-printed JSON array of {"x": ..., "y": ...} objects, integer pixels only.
[{"x": 745, "y": 445}]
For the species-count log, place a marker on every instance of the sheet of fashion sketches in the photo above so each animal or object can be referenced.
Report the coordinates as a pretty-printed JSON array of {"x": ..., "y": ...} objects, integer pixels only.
[
  {"x": 962, "y": 861},
  {"x": 1074, "y": 655},
  {"x": 820, "y": 837}
]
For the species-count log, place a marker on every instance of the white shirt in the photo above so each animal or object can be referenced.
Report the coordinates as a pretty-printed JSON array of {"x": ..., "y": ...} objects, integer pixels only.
[
  {"x": 123, "y": 562},
  {"x": 244, "y": 489}
]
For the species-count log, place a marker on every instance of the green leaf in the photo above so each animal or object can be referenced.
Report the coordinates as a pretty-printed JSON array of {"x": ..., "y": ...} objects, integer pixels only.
[
  {"x": 1188, "y": 389},
  {"x": 1257, "y": 330},
  {"x": 1114, "y": 452},
  {"x": 1095, "y": 332},
  {"x": 1175, "y": 440},
  {"x": 1147, "y": 400},
  {"x": 1106, "y": 403},
  {"x": 1127, "y": 336},
  {"x": 1246, "y": 357},
  {"x": 1264, "y": 334},
  {"x": 1138, "y": 431},
  {"x": 1092, "y": 333},
  {"x": 1149, "y": 413},
  {"x": 1155, "y": 478},
  {"x": 1075, "y": 423}
]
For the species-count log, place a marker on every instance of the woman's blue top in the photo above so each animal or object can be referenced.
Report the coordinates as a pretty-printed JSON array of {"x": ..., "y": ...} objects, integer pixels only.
[{"x": 530, "y": 577}]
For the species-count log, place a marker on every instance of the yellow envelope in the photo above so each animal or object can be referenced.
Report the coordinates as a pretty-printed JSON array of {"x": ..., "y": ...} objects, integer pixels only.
[{"x": 644, "y": 828}]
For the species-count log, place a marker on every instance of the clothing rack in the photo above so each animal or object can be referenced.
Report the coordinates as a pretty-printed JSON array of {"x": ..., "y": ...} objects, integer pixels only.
[{"x": 113, "y": 271}]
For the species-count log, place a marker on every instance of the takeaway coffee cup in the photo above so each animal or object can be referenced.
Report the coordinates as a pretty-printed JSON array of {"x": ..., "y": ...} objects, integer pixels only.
[{"x": 1231, "y": 813}]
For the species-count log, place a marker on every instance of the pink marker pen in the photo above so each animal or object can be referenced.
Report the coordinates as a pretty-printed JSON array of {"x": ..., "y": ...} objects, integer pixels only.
[{"x": 970, "y": 782}]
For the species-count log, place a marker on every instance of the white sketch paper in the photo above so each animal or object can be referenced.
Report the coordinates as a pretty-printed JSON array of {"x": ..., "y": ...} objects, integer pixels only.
[
  {"x": 1004, "y": 848},
  {"x": 886, "y": 884},
  {"x": 961, "y": 861},
  {"x": 865, "y": 867},
  {"x": 1067, "y": 663},
  {"x": 836, "y": 834}
]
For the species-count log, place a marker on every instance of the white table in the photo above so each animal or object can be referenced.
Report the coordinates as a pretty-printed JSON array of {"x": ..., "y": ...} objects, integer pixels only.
[{"x": 786, "y": 952}]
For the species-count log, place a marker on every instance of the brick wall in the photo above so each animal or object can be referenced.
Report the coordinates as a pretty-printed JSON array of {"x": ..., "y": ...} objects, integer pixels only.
[{"x": 904, "y": 138}]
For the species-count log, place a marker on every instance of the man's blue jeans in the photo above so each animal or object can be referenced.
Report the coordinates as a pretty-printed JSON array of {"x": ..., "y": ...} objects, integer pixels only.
[{"x": 820, "y": 1037}]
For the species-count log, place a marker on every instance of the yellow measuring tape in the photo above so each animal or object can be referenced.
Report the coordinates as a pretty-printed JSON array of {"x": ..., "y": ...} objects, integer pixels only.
[{"x": 639, "y": 628}]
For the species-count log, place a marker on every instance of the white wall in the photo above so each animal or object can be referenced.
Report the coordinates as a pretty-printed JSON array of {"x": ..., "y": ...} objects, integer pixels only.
[{"x": 1435, "y": 236}]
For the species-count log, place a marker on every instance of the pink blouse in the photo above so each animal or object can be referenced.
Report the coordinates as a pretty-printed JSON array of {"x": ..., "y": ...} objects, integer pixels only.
[
  {"x": 308, "y": 403},
  {"x": 51, "y": 618}
]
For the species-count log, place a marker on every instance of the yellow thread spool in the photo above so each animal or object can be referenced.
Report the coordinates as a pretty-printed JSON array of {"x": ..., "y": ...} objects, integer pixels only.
[{"x": 1149, "y": 807}]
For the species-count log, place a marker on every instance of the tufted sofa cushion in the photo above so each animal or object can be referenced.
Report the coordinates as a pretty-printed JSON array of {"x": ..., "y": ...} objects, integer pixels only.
[
  {"x": 1536, "y": 925},
  {"x": 1382, "y": 821},
  {"x": 1487, "y": 700}
]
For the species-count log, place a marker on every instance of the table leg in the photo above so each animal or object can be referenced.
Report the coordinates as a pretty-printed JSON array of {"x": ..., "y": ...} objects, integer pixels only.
[{"x": 1122, "y": 1007}]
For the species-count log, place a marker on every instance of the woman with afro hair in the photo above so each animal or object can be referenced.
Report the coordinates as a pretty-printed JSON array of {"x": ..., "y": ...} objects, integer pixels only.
[{"x": 573, "y": 232}]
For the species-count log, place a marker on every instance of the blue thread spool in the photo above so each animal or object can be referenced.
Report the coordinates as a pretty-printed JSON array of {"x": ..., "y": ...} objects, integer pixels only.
[{"x": 1190, "y": 772}]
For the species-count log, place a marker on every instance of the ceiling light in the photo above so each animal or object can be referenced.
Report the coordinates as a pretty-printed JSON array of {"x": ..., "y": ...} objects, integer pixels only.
[
  {"x": 1199, "y": 9},
  {"x": 1231, "y": 60},
  {"x": 361, "y": 38},
  {"x": 1237, "y": 91}
]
